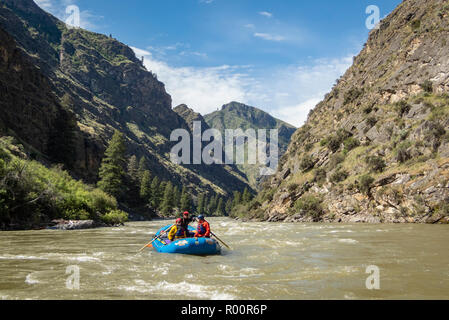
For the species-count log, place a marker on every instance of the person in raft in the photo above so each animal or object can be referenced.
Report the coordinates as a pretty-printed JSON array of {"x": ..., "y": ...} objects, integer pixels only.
[
  {"x": 186, "y": 220},
  {"x": 177, "y": 231},
  {"x": 203, "y": 228}
]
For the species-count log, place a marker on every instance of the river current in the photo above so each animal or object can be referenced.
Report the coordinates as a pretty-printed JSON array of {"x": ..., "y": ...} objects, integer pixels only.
[{"x": 268, "y": 261}]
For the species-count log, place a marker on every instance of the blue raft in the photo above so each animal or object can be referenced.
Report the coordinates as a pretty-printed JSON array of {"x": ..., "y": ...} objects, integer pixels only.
[{"x": 193, "y": 246}]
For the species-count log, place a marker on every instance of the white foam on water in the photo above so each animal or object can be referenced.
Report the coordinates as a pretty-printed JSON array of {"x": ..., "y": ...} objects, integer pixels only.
[
  {"x": 352, "y": 241},
  {"x": 29, "y": 279},
  {"x": 340, "y": 231},
  {"x": 21, "y": 257},
  {"x": 83, "y": 259},
  {"x": 188, "y": 289}
]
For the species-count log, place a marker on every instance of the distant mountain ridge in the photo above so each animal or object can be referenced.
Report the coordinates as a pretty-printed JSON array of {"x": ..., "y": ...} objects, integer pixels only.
[
  {"x": 73, "y": 88},
  {"x": 237, "y": 115}
]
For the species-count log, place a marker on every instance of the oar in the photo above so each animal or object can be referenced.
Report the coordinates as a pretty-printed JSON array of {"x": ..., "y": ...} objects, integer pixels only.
[
  {"x": 149, "y": 243},
  {"x": 221, "y": 241},
  {"x": 157, "y": 237}
]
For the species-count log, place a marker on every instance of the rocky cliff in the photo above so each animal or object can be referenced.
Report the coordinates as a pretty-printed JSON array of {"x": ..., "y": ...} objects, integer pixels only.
[
  {"x": 65, "y": 90},
  {"x": 376, "y": 149},
  {"x": 237, "y": 115}
]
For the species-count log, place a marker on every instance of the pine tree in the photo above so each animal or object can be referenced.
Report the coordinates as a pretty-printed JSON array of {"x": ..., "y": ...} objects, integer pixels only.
[
  {"x": 176, "y": 197},
  {"x": 213, "y": 203},
  {"x": 220, "y": 207},
  {"x": 237, "y": 198},
  {"x": 142, "y": 167},
  {"x": 112, "y": 170},
  {"x": 206, "y": 205},
  {"x": 200, "y": 206},
  {"x": 146, "y": 186},
  {"x": 247, "y": 197},
  {"x": 228, "y": 207},
  {"x": 155, "y": 198},
  {"x": 167, "y": 202},
  {"x": 133, "y": 169},
  {"x": 186, "y": 201}
]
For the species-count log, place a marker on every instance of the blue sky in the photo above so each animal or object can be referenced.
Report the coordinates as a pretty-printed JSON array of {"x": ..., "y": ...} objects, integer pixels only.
[{"x": 281, "y": 56}]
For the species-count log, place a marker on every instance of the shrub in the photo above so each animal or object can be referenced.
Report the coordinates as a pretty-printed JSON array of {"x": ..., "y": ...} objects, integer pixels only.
[
  {"x": 308, "y": 147},
  {"x": 334, "y": 143},
  {"x": 427, "y": 86},
  {"x": 443, "y": 208},
  {"x": 371, "y": 121},
  {"x": 292, "y": 187},
  {"x": 365, "y": 183},
  {"x": 320, "y": 176},
  {"x": 351, "y": 143},
  {"x": 402, "y": 154},
  {"x": 310, "y": 206},
  {"x": 115, "y": 217},
  {"x": 339, "y": 176},
  {"x": 307, "y": 163},
  {"x": 324, "y": 142},
  {"x": 352, "y": 94},
  {"x": 416, "y": 24},
  {"x": 31, "y": 193},
  {"x": 375, "y": 163},
  {"x": 368, "y": 109},
  {"x": 402, "y": 107},
  {"x": 336, "y": 159}
]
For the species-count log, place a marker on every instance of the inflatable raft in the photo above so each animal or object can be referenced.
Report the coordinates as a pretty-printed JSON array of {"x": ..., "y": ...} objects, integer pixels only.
[{"x": 193, "y": 246}]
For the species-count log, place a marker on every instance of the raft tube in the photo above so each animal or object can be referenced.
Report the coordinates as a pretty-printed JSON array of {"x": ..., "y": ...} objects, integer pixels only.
[{"x": 192, "y": 246}]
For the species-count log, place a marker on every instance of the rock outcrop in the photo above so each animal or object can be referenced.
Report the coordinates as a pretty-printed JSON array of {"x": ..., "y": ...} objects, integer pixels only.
[
  {"x": 65, "y": 90},
  {"x": 376, "y": 149}
]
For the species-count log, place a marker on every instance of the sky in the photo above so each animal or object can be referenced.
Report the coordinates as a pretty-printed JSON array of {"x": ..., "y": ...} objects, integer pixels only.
[{"x": 281, "y": 56}]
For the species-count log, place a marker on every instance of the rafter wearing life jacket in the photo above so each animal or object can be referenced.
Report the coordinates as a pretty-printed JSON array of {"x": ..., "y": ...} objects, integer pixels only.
[
  {"x": 203, "y": 228},
  {"x": 177, "y": 231}
]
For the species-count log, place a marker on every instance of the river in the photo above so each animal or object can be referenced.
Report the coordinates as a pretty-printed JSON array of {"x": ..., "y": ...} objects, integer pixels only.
[{"x": 268, "y": 261}]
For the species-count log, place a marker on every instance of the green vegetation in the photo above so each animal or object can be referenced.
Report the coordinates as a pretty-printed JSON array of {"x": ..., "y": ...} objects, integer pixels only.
[
  {"x": 334, "y": 142},
  {"x": 427, "y": 86},
  {"x": 307, "y": 163},
  {"x": 112, "y": 172},
  {"x": 320, "y": 176},
  {"x": 365, "y": 183},
  {"x": 339, "y": 176},
  {"x": 402, "y": 107},
  {"x": 311, "y": 206},
  {"x": 352, "y": 94},
  {"x": 350, "y": 144},
  {"x": 375, "y": 163},
  {"x": 32, "y": 194},
  {"x": 416, "y": 25}
]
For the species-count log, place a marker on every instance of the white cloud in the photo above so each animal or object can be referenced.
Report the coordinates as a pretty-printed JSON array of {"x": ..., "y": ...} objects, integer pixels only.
[
  {"x": 44, "y": 4},
  {"x": 266, "y": 14},
  {"x": 288, "y": 93},
  {"x": 204, "y": 89},
  {"x": 58, "y": 9},
  {"x": 269, "y": 37}
]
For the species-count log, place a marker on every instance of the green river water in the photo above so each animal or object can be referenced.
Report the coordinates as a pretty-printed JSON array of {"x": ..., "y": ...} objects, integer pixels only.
[{"x": 268, "y": 261}]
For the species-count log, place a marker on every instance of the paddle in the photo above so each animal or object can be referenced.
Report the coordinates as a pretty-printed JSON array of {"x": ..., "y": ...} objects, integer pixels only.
[
  {"x": 149, "y": 243},
  {"x": 157, "y": 237},
  {"x": 221, "y": 241}
]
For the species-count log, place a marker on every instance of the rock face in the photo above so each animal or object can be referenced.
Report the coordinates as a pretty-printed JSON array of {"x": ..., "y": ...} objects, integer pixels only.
[
  {"x": 65, "y": 90},
  {"x": 376, "y": 148},
  {"x": 237, "y": 115}
]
